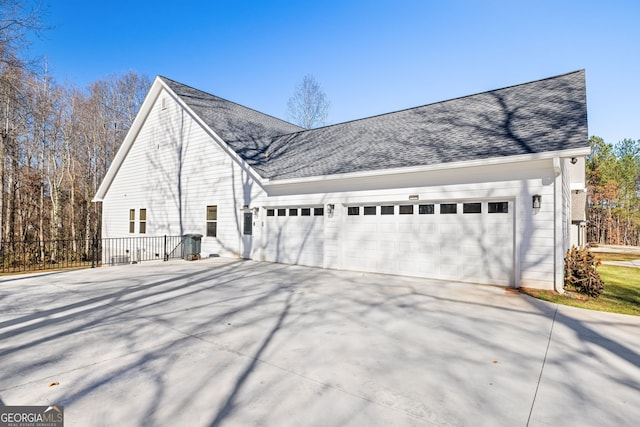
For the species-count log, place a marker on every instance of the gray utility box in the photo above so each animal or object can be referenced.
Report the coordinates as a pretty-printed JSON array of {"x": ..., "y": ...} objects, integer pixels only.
[{"x": 192, "y": 243}]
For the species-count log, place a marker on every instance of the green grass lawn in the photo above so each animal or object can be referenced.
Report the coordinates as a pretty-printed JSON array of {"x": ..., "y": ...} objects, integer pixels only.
[
  {"x": 621, "y": 292},
  {"x": 610, "y": 256}
]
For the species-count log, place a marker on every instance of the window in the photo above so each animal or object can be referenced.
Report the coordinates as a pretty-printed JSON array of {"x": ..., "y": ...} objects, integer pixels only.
[
  {"x": 369, "y": 210},
  {"x": 406, "y": 209},
  {"x": 248, "y": 224},
  {"x": 448, "y": 208},
  {"x": 143, "y": 221},
  {"x": 472, "y": 208},
  {"x": 132, "y": 220},
  {"x": 498, "y": 207},
  {"x": 353, "y": 210},
  {"x": 282, "y": 212},
  {"x": 305, "y": 211},
  {"x": 425, "y": 210},
  {"x": 387, "y": 210},
  {"x": 318, "y": 211},
  {"x": 271, "y": 212},
  {"x": 293, "y": 212},
  {"x": 212, "y": 221}
]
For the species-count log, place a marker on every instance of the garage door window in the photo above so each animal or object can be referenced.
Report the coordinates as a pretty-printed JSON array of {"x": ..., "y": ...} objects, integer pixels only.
[
  {"x": 353, "y": 210},
  {"x": 387, "y": 210},
  {"x": 448, "y": 208},
  {"x": 282, "y": 212},
  {"x": 271, "y": 212},
  {"x": 498, "y": 207},
  {"x": 305, "y": 211},
  {"x": 426, "y": 210},
  {"x": 293, "y": 212},
  {"x": 472, "y": 208},
  {"x": 369, "y": 210},
  {"x": 406, "y": 209},
  {"x": 318, "y": 211}
]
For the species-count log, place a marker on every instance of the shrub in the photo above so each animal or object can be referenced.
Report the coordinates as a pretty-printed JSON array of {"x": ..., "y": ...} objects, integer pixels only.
[{"x": 580, "y": 272}]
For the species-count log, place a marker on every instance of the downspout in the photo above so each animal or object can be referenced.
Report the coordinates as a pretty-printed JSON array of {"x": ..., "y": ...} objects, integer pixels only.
[{"x": 558, "y": 250}]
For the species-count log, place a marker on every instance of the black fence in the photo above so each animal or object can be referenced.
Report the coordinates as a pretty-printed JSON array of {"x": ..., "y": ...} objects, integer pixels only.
[{"x": 19, "y": 256}]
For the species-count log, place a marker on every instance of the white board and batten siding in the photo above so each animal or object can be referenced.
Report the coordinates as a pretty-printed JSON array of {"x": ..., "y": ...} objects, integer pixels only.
[{"x": 171, "y": 144}]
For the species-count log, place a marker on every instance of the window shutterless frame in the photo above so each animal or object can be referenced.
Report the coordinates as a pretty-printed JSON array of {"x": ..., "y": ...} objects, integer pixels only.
[{"x": 212, "y": 221}]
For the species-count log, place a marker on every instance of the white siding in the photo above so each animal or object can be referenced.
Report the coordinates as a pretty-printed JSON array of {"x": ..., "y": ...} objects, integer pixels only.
[{"x": 174, "y": 169}]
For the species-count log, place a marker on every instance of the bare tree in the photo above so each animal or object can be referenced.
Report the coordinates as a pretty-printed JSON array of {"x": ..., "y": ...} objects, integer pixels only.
[{"x": 308, "y": 106}]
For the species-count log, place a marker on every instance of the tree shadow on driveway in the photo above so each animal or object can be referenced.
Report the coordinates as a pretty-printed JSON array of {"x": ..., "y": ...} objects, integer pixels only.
[{"x": 238, "y": 342}]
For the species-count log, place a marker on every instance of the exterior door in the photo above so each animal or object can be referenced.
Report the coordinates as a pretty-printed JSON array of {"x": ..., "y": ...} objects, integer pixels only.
[{"x": 247, "y": 234}]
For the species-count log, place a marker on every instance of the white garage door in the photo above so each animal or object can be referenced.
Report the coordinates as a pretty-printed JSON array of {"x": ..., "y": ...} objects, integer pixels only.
[
  {"x": 295, "y": 235},
  {"x": 470, "y": 241}
]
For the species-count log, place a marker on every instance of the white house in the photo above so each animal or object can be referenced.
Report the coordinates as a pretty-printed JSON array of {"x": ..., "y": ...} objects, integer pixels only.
[{"x": 487, "y": 188}]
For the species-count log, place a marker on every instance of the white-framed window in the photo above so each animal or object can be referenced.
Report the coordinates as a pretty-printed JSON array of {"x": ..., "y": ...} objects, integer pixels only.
[
  {"x": 426, "y": 209},
  {"x": 387, "y": 210},
  {"x": 142, "y": 228},
  {"x": 212, "y": 221},
  {"x": 132, "y": 220},
  {"x": 406, "y": 209},
  {"x": 448, "y": 208},
  {"x": 471, "y": 208},
  {"x": 498, "y": 207}
]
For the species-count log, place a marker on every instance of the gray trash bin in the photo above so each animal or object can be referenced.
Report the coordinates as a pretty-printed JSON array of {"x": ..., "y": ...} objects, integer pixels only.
[{"x": 192, "y": 243}]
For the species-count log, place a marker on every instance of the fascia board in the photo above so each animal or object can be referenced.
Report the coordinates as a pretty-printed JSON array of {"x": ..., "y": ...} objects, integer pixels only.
[
  {"x": 127, "y": 143},
  {"x": 549, "y": 155}
]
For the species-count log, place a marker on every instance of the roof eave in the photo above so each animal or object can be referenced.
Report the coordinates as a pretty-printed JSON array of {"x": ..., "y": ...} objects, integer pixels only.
[
  {"x": 156, "y": 88},
  {"x": 574, "y": 152},
  {"x": 139, "y": 120}
]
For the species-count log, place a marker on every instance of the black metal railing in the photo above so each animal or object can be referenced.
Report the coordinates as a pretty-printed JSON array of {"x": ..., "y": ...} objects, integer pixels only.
[
  {"x": 37, "y": 255},
  {"x": 132, "y": 250}
]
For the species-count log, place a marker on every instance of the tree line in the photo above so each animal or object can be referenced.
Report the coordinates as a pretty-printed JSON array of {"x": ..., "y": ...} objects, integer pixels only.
[
  {"x": 613, "y": 185},
  {"x": 57, "y": 141}
]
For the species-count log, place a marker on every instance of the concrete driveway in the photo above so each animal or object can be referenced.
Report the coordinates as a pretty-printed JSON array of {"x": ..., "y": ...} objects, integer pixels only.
[{"x": 229, "y": 342}]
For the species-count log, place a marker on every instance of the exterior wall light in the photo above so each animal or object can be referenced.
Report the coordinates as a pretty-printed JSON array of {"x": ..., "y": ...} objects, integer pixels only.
[
  {"x": 574, "y": 160},
  {"x": 537, "y": 201},
  {"x": 330, "y": 209},
  {"x": 255, "y": 211}
]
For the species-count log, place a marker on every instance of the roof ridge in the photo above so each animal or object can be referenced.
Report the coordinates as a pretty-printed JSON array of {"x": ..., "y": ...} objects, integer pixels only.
[{"x": 437, "y": 102}]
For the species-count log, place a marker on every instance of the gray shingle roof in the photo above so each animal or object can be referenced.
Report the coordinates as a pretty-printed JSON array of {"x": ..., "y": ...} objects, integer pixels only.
[
  {"x": 232, "y": 122},
  {"x": 541, "y": 116}
]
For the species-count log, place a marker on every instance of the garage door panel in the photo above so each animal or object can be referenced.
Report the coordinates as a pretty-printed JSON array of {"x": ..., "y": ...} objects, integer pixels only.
[
  {"x": 448, "y": 230},
  {"x": 294, "y": 239},
  {"x": 476, "y": 247}
]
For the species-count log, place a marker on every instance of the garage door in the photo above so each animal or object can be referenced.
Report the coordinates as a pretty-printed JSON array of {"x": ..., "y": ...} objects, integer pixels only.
[
  {"x": 295, "y": 235},
  {"x": 470, "y": 241}
]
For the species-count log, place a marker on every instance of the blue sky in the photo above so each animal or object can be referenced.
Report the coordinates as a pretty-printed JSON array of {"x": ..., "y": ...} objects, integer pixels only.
[{"x": 370, "y": 57}]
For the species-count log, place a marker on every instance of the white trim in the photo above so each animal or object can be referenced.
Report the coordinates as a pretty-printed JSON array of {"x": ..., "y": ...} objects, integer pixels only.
[
  {"x": 139, "y": 120},
  {"x": 147, "y": 105},
  {"x": 428, "y": 168},
  {"x": 558, "y": 247}
]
